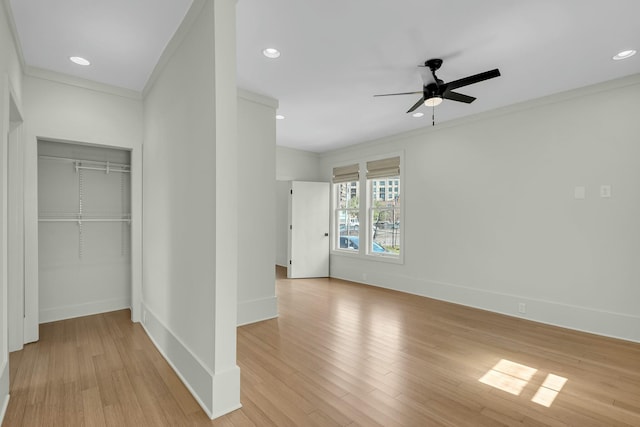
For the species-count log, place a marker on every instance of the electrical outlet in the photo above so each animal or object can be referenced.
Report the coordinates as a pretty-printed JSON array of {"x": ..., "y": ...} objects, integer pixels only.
[
  {"x": 605, "y": 191},
  {"x": 522, "y": 308}
]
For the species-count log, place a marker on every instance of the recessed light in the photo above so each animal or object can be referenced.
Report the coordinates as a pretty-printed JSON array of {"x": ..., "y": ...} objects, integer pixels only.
[
  {"x": 418, "y": 114},
  {"x": 79, "y": 60},
  {"x": 279, "y": 117},
  {"x": 624, "y": 54},
  {"x": 271, "y": 53}
]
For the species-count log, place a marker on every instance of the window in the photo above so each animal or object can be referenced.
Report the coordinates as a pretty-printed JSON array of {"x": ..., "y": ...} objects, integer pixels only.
[
  {"x": 347, "y": 207},
  {"x": 384, "y": 210},
  {"x": 367, "y": 210}
]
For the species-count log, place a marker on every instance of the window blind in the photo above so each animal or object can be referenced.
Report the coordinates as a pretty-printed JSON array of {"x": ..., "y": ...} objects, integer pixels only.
[
  {"x": 346, "y": 173},
  {"x": 383, "y": 168}
]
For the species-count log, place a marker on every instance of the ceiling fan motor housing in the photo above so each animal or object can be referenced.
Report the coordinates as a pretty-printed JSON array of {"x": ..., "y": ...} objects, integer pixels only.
[
  {"x": 431, "y": 90},
  {"x": 433, "y": 64}
]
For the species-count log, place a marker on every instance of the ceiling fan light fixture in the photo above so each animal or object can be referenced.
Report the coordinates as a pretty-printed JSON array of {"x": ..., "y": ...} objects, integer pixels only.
[
  {"x": 433, "y": 101},
  {"x": 624, "y": 54},
  {"x": 271, "y": 53},
  {"x": 417, "y": 115},
  {"x": 79, "y": 60}
]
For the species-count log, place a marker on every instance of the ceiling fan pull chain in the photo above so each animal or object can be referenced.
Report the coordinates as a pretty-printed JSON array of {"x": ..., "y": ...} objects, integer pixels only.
[{"x": 433, "y": 115}]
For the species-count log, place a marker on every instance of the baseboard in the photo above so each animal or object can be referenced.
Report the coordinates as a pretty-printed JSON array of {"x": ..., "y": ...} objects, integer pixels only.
[
  {"x": 257, "y": 310},
  {"x": 79, "y": 310},
  {"x": 3, "y": 410},
  {"x": 584, "y": 319},
  {"x": 226, "y": 392},
  {"x": 4, "y": 388},
  {"x": 215, "y": 393}
]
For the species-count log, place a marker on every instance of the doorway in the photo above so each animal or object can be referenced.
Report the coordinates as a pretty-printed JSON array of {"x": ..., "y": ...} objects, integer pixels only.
[
  {"x": 84, "y": 236},
  {"x": 308, "y": 246}
]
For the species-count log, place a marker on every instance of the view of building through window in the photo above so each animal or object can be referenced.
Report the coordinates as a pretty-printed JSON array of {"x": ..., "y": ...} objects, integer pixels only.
[
  {"x": 347, "y": 215},
  {"x": 384, "y": 208},
  {"x": 376, "y": 224}
]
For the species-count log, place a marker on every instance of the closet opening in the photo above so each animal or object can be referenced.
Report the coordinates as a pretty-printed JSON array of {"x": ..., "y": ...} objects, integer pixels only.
[{"x": 84, "y": 230}]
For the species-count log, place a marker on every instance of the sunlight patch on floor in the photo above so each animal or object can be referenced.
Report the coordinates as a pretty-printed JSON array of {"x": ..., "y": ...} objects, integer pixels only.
[
  {"x": 509, "y": 376},
  {"x": 513, "y": 377},
  {"x": 549, "y": 390}
]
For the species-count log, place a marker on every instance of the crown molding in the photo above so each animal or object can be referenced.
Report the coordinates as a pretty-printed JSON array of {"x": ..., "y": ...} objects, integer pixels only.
[
  {"x": 174, "y": 43},
  {"x": 258, "y": 99},
  {"x": 14, "y": 32},
  {"x": 594, "y": 89},
  {"x": 66, "y": 79}
]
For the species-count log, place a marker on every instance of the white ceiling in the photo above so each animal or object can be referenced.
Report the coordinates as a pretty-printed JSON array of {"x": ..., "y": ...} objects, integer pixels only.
[
  {"x": 123, "y": 39},
  {"x": 336, "y": 54}
]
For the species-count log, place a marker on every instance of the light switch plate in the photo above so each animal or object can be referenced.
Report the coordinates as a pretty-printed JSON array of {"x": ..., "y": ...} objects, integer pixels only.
[{"x": 579, "y": 192}]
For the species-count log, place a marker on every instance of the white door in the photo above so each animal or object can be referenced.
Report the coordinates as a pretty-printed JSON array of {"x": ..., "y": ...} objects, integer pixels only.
[{"x": 308, "y": 230}]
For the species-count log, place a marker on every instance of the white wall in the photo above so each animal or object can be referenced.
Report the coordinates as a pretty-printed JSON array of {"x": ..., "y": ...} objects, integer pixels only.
[
  {"x": 81, "y": 114},
  {"x": 190, "y": 207},
  {"x": 297, "y": 165},
  {"x": 291, "y": 165},
  {"x": 491, "y": 220},
  {"x": 256, "y": 207},
  {"x": 10, "y": 87}
]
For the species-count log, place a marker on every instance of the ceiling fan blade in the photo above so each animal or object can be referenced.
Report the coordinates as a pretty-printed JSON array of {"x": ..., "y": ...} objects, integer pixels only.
[
  {"x": 403, "y": 93},
  {"x": 416, "y": 105},
  {"x": 473, "y": 79},
  {"x": 455, "y": 96}
]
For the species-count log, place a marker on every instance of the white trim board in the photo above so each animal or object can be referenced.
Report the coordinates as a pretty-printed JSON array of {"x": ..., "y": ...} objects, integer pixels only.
[
  {"x": 353, "y": 151},
  {"x": 81, "y": 83},
  {"x": 79, "y": 310},
  {"x": 203, "y": 384},
  {"x": 257, "y": 310},
  {"x": 3, "y": 409},
  {"x": 4, "y": 385},
  {"x": 584, "y": 319}
]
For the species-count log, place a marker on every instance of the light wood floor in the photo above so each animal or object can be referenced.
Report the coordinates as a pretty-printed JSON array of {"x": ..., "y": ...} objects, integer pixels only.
[{"x": 340, "y": 354}]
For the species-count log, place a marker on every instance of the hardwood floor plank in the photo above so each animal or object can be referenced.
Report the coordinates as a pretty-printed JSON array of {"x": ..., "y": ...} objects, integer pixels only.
[
  {"x": 92, "y": 407},
  {"x": 339, "y": 354},
  {"x": 239, "y": 419}
]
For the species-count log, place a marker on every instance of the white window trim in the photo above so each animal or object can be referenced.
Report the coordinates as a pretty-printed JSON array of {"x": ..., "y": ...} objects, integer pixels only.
[{"x": 364, "y": 191}]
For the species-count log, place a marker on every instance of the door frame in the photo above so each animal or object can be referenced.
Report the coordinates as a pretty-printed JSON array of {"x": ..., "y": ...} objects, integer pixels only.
[
  {"x": 15, "y": 227},
  {"x": 13, "y": 224}
]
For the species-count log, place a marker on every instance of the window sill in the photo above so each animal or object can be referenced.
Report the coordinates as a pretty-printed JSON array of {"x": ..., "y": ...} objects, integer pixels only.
[{"x": 369, "y": 257}]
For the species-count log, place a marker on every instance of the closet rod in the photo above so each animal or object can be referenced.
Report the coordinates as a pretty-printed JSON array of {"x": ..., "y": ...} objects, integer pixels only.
[
  {"x": 105, "y": 169},
  {"x": 94, "y": 162},
  {"x": 82, "y": 220}
]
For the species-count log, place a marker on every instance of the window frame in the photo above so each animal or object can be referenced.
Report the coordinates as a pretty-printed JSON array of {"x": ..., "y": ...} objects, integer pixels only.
[{"x": 365, "y": 205}]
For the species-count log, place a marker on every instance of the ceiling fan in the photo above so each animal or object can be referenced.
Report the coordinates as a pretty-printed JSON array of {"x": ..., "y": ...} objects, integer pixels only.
[{"x": 434, "y": 93}]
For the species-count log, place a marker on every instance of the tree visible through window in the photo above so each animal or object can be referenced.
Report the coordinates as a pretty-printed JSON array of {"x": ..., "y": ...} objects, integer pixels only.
[
  {"x": 347, "y": 207},
  {"x": 383, "y": 182},
  {"x": 369, "y": 225}
]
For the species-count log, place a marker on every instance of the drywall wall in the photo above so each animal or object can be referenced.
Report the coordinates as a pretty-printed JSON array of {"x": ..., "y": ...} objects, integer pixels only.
[
  {"x": 291, "y": 165},
  {"x": 10, "y": 92},
  {"x": 297, "y": 165},
  {"x": 190, "y": 207},
  {"x": 94, "y": 116},
  {"x": 84, "y": 266},
  {"x": 492, "y": 221},
  {"x": 256, "y": 207}
]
